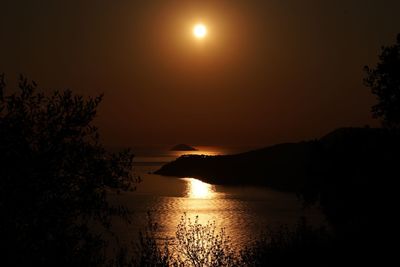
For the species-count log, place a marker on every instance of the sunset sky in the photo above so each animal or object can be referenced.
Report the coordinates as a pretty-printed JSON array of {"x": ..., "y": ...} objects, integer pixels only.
[{"x": 267, "y": 71}]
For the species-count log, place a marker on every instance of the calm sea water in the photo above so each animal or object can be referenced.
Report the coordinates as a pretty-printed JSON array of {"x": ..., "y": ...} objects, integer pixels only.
[{"x": 244, "y": 212}]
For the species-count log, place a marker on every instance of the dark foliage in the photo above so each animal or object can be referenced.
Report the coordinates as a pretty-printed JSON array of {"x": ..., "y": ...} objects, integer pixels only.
[
  {"x": 54, "y": 176},
  {"x": 150, "y": 252},
  {"x": 195, "y": 245},
  {"x": 202, "y": 245},
  {"x": 302, "y": 246},
  {"x": 384, "y": 81}
]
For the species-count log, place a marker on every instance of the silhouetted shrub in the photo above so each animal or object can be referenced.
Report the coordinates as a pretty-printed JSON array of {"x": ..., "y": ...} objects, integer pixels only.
[
  {"x": 54, "y": 176},
  {"x": 194, "y": 245},
  {"x": 302, "y": 246},
  {"x": 384, "y": 81},
  {"x": 202, "y": 245},
  {"x": 149, "y": 251}
]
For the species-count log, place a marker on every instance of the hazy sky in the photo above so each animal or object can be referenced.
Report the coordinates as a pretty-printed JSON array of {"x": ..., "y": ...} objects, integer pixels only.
[{"x": 268, "y": 72}]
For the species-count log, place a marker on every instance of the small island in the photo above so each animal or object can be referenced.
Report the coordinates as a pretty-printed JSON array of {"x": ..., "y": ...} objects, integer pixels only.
[{"x": 183, "y": 147}]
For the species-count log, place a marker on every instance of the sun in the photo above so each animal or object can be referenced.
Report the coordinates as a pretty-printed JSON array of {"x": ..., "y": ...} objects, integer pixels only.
[{"x": 199, "y": 31}]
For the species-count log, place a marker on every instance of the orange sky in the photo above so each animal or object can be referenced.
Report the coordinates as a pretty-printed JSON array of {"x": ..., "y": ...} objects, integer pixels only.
[{"x": 268, "y": 71}]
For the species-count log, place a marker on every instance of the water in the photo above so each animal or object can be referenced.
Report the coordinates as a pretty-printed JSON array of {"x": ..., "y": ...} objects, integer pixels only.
[{"x": 244, "y": 212}]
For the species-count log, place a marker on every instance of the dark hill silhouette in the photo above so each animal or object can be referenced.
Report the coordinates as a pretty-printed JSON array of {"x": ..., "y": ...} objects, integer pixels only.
[
  {"x": 266, "y": 166},
  {"x": 290, "y": 166},
  {"x": 183, "y": 147}
]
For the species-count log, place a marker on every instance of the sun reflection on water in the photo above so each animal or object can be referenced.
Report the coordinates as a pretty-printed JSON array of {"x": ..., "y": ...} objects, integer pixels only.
[{"x": 199, "y": 190}]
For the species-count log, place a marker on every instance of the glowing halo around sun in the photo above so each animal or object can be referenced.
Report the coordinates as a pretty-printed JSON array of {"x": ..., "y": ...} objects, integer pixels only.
[{"x": 200, "y": 31}]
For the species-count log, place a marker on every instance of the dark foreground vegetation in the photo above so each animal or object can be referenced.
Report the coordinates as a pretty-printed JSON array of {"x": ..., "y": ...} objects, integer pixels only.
[
  {"x": 198, "y": 244},
  {"x": 54, "y": 179}
]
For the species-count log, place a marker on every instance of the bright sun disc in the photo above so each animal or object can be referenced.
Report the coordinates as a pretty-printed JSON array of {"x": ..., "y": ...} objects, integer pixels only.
[{"x": 200, "y": 31}]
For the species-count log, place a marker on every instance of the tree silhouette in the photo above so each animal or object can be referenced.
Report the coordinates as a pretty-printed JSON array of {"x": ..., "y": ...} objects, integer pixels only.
[
  {"x": 54, "y": 176},
  {"x": 384, "y": 81}
]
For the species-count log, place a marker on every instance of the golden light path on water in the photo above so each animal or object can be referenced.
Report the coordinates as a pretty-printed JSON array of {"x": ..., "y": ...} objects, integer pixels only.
[{"x": 197, "y": 189}]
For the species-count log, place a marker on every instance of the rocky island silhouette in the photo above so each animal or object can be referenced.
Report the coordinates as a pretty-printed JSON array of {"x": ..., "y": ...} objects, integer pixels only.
[{"x": 183, "y": 147}]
